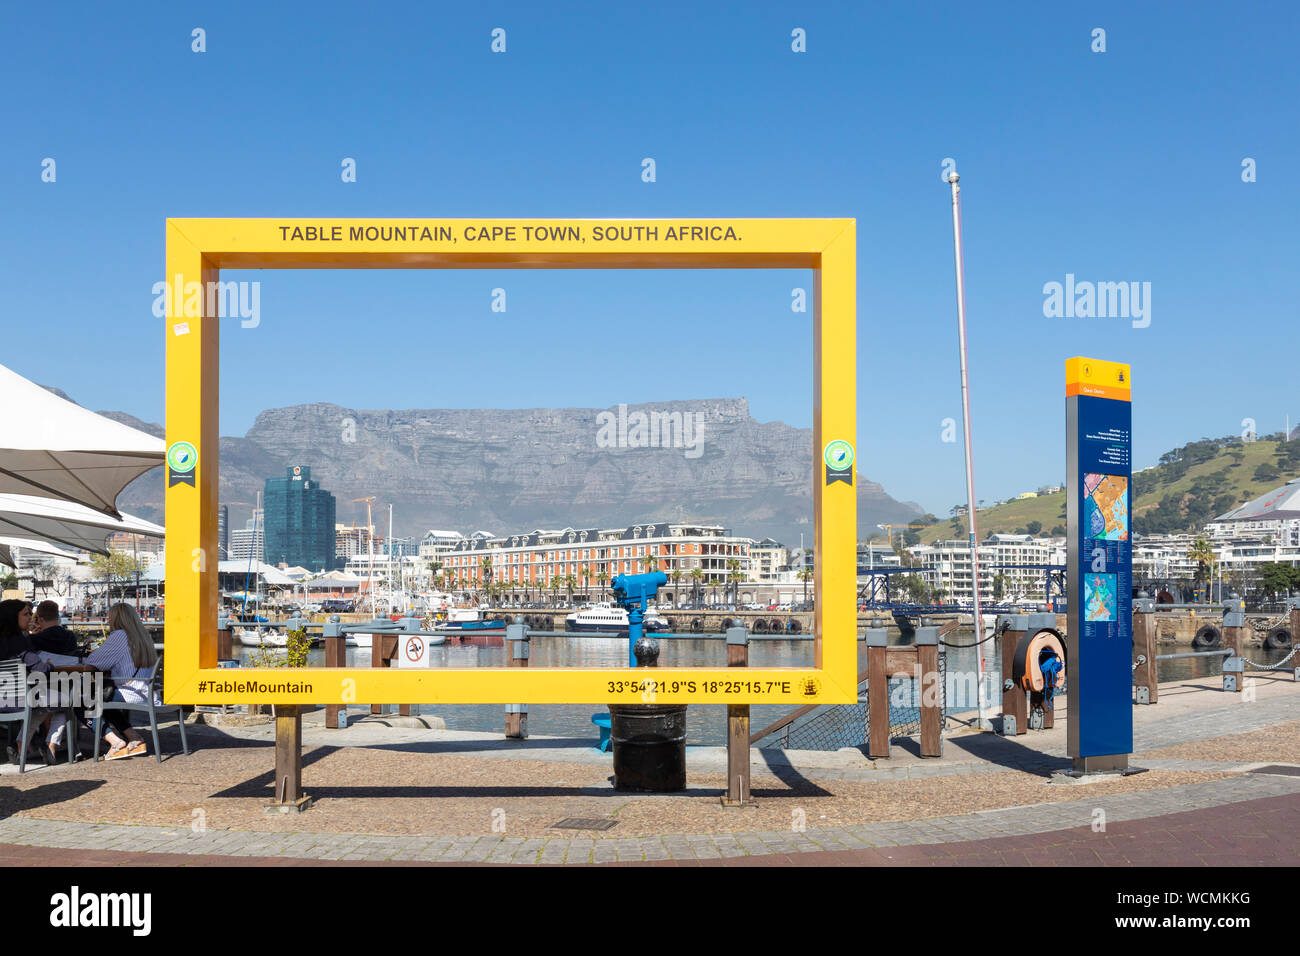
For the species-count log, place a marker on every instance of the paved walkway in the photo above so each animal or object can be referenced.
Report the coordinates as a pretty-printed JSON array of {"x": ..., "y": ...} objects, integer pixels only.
[
  {"x": 503, "y": 848},
  {"x": 1064, "y": 820},
  {"x": 1258, "y": 832}
]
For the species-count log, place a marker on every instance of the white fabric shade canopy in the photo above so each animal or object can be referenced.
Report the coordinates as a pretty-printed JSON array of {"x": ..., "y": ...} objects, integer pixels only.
[
  {"x": 8, "y": 545},
  {"x": 65, "y": 523},
  {"x": 55, "y": 448}
]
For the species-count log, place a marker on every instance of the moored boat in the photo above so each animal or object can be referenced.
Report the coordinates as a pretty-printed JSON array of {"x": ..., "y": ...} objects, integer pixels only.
[
  {"x": 261, "y": 637},
  {"x": 605, "y": 617},
  {"x": 471, "y": 624}
]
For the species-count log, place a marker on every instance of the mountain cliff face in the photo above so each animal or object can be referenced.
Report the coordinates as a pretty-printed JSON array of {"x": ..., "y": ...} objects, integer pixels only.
[{"x": 515, "y": 470}]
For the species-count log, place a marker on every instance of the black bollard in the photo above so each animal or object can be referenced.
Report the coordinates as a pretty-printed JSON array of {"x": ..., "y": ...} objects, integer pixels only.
[{"x": 648, "y": 740}]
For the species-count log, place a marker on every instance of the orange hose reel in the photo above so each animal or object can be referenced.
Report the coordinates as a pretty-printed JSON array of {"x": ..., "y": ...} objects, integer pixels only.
[{"x": 1026, "y": 670}]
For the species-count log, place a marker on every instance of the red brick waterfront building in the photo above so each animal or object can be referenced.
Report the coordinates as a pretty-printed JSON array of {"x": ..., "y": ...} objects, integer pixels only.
[{"x": 583, "y": 561}]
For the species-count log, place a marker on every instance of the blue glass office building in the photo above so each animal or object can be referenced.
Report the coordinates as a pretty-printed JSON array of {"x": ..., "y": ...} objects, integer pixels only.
[{"x": 299, "y": 521}]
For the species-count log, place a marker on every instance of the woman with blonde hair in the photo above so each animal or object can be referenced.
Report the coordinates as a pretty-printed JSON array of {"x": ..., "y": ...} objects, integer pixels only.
[{"x": 127, "y": 655}]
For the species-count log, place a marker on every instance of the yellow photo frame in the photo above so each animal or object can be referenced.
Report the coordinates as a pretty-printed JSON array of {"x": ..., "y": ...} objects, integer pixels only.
[{"x": 197, "y": 251}]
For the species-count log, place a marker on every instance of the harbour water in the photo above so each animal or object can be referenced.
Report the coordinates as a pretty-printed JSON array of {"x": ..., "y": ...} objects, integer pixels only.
[{"x": 705, "y": 724}]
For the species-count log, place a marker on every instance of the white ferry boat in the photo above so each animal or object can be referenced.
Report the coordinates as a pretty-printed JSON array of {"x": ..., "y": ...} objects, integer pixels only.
[{"x": 605, "y": 617}]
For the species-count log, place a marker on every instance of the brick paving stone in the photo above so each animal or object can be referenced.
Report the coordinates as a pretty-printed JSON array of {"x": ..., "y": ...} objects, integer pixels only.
[{"x": 552, "y": 854}]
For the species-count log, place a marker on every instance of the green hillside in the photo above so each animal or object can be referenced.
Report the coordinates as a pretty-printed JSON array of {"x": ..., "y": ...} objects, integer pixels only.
[{"x": 1190, "y": 486}]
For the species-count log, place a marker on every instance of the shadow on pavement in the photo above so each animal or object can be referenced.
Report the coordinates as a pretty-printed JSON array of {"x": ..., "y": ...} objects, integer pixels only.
[
  {"x": 780, "y": 767},
  {"x": 1009, "y": 752},
  {"x": 13, "y": 800}
]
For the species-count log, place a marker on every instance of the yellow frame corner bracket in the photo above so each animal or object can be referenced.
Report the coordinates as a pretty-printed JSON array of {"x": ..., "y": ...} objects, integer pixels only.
[{"x": 197, "y": 249}]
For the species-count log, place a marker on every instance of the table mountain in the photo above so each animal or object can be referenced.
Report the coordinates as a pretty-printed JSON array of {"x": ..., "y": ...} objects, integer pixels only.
[{"x": 515, "y": 470}]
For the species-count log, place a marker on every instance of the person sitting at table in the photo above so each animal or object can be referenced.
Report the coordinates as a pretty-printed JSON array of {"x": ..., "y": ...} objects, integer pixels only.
[
  {"x": 51, "y": 636},
  {"x": 15, "y": 644},
  {"x": 126, "y": 655}
]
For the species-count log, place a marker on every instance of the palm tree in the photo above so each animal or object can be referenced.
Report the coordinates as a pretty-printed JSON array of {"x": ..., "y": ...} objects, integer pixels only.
[
  {"x": 602, "y": 577},
  {"x": 1202, "y": 553},
  {"x": 806, "y": 575},
  {"x": 676, "y": 577},
  {"x": 697, "y": 575},
  {"x": 555, "y": 589},
  {"x": 586, "y": 580},
  {"x": 736, "y": 577},
  {"x": 486, "y": 565},
  {"x": 570, "y": 582}
]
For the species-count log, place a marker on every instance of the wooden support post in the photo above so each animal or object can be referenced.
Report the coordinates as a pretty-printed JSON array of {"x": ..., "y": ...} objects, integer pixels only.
[
  {"x": 288, "y": 797},
  {"x": 517, "y": 656},
  {"x": 225, "y": 642},
  {"x": 382, "y": 649},
  {"x": 335, "y": 656},
  {"x": 877, "y": 695},
  {"x": 1144, "y": 653},
  {"x": 1015, "y": 703},
  {"x": 1234, "y": 637},
  {"x": 1295, "y": 642},
  {"x": 377, "y": 659},
  {"x": 738, "y": 769},
  {"x": 930, "y": 691},
  {"x": 1232, "y": 640}
]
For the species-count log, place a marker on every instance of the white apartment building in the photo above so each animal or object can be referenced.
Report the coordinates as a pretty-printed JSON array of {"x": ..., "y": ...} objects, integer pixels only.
[
  {"x": 350, "y": 541},
  {"x": 876, "y": 555},
  {"x": 246, "y": 543},
  {"x": 434, "y": 543},
  {"x": 1005, "y": 554},
  {"x": 1163, "y": 557},
  {"x": 767, "y": 559}
]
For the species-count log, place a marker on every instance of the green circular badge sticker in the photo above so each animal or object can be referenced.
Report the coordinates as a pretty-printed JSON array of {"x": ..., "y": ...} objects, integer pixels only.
[
  {"x": 182, "y": 456},
  {"x": 838, "y": 455}
]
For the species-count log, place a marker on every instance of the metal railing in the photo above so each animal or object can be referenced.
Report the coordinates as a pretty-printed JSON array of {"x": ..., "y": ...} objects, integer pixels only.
[
  {"x": 1171, "y": 657},
  {"x": 833, "y": 726}
]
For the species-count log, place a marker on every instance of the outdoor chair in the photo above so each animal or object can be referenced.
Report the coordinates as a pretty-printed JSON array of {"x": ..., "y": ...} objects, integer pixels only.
[
  {"x": 150, "y": 708},
  {"x": 14, "y": 685}
]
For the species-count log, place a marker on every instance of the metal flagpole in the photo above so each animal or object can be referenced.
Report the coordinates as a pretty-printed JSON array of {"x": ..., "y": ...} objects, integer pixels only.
[{"x": 985, "y": 723}]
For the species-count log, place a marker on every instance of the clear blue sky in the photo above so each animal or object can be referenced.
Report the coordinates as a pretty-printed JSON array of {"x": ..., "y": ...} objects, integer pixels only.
[{"x": 1115, "y": 166}]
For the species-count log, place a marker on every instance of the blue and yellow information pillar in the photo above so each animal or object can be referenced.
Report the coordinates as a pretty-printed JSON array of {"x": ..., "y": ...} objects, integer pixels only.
[{"x": 1099, "y": 669}]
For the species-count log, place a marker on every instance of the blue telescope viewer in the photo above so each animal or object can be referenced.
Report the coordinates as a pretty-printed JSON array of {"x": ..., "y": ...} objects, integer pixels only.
[{"x": 632, "y": 591}]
